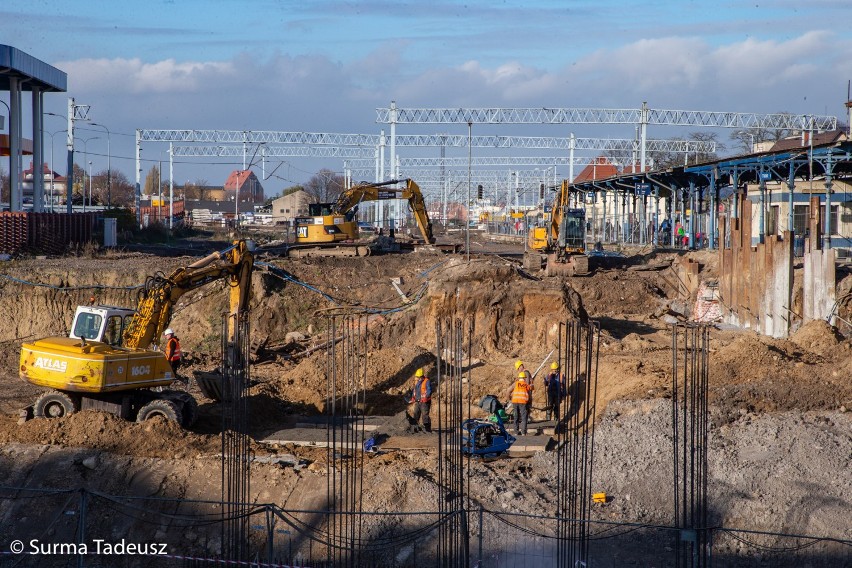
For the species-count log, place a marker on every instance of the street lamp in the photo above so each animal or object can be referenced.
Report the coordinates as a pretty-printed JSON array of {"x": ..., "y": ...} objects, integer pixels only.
[
  {"x": 85, "y": 142},
  {"x": 52, "y": 171},
  {"x": 109, "y": 168}
]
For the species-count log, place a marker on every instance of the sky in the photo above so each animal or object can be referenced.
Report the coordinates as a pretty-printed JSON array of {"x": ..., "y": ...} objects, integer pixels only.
[{"x": 325, "y": 66}]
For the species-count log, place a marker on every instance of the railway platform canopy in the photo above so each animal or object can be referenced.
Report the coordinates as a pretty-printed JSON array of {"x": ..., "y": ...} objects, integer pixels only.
[
  {"x": 21, "y": 72},
  {"x": 794, "y": 170}
]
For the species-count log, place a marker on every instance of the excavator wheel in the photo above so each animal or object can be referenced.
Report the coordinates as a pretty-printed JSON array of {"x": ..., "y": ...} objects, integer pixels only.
[
  {"x": 55, "y": 404},
  {"x": 160, "y": 407}
]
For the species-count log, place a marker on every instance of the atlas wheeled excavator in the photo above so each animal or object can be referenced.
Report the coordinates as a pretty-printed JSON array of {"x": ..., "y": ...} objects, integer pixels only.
[
  {"x": 332, "y": 228},
  {"x": 106, "y": 363},
  {"x": 561, "y": 243}
]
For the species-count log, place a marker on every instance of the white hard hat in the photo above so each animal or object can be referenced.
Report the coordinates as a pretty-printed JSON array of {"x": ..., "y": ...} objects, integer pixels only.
[{"x": 169, "y": 331}]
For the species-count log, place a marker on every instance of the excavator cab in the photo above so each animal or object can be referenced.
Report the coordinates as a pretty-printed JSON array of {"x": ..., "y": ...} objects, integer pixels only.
[{"x": 101, "y": 323}]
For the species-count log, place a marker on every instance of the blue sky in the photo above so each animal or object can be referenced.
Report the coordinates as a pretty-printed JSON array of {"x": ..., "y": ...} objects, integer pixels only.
[{"x": 324, "y": 66}]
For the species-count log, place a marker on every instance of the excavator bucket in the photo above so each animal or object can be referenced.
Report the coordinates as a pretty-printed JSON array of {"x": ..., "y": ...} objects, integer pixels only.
[
  {"x": 574, "y": 265},
  {"x": 213, "y": 385}
]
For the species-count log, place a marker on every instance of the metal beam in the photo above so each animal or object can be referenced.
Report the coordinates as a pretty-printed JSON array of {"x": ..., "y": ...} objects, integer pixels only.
[
  {"x": 604, "y": 116},
  {"x": 418, "y": 140}
]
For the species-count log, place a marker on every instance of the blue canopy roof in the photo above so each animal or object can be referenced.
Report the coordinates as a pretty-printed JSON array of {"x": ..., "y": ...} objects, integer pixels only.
[{"x": 16, "y": 63}]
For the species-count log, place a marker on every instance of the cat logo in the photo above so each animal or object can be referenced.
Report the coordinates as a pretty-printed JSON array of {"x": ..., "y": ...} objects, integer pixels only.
[{"x": 49, "y": 364}]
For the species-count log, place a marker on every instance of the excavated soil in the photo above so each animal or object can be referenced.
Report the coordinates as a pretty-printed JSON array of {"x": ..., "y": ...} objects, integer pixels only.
[{"x": 780, "y": 428}]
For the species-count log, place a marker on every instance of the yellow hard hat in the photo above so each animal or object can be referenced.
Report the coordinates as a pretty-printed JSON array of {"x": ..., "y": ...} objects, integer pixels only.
[
  {"x": 518, "y": 364},
  {"x": 418, "y": 373},
  {"x": 522, "y": 375},
  {"x": 554, "y": 365}
]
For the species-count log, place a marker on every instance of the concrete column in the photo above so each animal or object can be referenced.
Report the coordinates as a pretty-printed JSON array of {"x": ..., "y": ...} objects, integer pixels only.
[
  {"x": 38, "y": 150},
  {"x": 15, "y": 201}
]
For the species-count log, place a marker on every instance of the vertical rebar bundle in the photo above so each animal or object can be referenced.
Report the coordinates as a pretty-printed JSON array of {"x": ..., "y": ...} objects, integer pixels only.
[
  {"x": 453, "y": 404},
  {"x": 346, "y": 377},
  {"x": 236, "y": 448},
  {"x": 578, "y": 356},
  {"x": 689, "y": 432}
]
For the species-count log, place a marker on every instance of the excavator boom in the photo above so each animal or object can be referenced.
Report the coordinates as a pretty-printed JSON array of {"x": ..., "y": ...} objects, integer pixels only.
[{"x": 340, "y": 224}]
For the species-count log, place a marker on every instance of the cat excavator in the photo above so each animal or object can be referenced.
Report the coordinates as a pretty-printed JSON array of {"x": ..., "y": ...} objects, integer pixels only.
[
  {"x": 106, "y": 363},
  {"x": 560, "y": 244},
  {"x": 332, "y": 228}
]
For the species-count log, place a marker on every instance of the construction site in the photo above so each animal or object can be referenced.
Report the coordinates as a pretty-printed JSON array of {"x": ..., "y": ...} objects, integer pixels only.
[
  {"x": 645, "y": 367},
  {"x": 700, "y": 442}
]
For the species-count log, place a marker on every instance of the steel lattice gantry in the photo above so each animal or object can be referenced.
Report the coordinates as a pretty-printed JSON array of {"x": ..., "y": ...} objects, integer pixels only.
[
  {"x": 394, "y": 115},
  {"x": 249, "y": 137},
  {"x": 641, "y": 117}
]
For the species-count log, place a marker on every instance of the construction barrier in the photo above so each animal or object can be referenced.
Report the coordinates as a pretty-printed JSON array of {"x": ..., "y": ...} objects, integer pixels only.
[
  {"x": 80, "y": 527},
  {"x": 44, "y": 233}
]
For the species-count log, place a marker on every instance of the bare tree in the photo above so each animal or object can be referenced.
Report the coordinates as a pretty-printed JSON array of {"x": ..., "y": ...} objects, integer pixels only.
[
  {"x": 325, "y": 186},
  {"x": 746, "y": 138},
  {"x": 123, "y": 192}
]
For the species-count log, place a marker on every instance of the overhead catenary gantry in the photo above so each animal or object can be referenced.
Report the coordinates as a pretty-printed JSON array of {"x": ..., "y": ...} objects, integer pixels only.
[
  {"x": 640, "y": 117},
  {"x": 267, "y": 144}
]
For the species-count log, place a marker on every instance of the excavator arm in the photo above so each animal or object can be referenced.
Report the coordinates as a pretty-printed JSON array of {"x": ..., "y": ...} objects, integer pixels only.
[
  {"x": 353, "y": 196},
  {"x": 160, "y": 294}
]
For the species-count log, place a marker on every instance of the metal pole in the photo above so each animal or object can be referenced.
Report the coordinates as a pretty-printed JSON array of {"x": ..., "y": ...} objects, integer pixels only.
[
  {"x": 69, "y": 174},
  {"x": 791, "y": 185},
  {"x": 171, "y": 186},
  {"x": 828, "y": 191},
  {"x": 138, "y": 190},
  {"x": 467, "y": 216},
  {"x": 643, "y": 133}
]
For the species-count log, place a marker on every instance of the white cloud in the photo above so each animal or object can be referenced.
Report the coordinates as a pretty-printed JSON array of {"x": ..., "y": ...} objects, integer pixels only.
[{"x": 134, "y": 76}]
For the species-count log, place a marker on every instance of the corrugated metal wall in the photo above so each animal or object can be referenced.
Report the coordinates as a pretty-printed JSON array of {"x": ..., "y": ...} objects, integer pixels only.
[{"x": 44, "y": 233}]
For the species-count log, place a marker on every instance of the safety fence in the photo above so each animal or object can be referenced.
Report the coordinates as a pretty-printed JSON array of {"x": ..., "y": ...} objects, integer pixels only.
[
  {"x": 44, "y": 233},
  {"x": 85, "y": 528}
]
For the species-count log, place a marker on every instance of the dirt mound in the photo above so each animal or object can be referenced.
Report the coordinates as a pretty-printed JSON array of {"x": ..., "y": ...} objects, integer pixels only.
[
  {"x": 510, "y": 311},
  {"x": 614, "y": 292},
  {"x": 154, "y": 438},
  {"x": 817, "y": 337},
  {"x": 759, "y": 374}
]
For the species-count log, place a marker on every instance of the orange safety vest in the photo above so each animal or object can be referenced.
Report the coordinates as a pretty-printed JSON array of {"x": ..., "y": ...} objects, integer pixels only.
[
  {"x": 521, "y": 392},
  {"x": 173, "y": 346},
  {"x": 425, "y": 389}
]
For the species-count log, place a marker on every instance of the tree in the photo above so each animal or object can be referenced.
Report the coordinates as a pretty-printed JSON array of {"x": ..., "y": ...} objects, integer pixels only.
[
  {"x": 153, "y": 181},
  {"x": 123, "y": 193},
  {"x": 197, "y": 189},
  {"x": 325, "y": 186},
  {"x": 81, "y": 184},
  {"x": 746, "y": 138}
]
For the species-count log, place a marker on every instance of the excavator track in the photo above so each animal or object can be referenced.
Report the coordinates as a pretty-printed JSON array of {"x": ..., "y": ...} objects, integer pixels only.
[{"x": 333, "y": 249}]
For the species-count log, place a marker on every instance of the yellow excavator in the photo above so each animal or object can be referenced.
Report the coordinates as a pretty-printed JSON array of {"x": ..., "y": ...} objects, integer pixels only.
[
  {"x": 107, "y": 362},
  {"x": 560, "y": 244},
  {"x": 332, "y": 228}
]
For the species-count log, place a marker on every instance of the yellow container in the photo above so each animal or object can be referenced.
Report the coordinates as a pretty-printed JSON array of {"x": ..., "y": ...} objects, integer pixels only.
[{"x": 599, "y": 497}]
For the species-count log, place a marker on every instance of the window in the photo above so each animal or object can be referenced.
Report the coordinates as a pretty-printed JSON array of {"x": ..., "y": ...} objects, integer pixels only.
[
  {"x": 286, "y": 211},
  {"x": 772, "y": 222},
  {"x": 832, "y": 221},
  {"x": 112, "y": 334},
  {"x": 800, "y": 219},
  {"x": 88, "y": 325}
]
